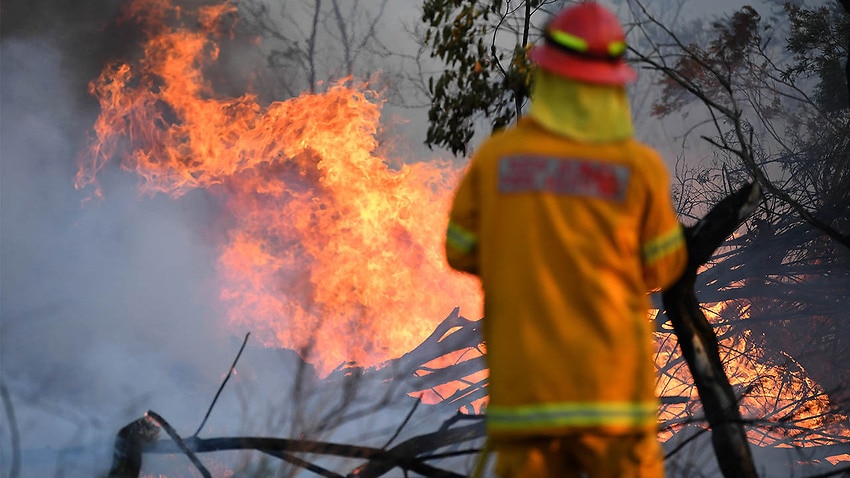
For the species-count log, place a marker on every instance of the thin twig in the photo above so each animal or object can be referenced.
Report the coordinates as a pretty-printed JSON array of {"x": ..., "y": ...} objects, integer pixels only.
[
  {"x": 684, "y": 442},
  {"x": 404, "y": 422},
  {"x": 223, "y": 383},
  {"x": 180, "y": 443},
  {"x": 15, "y": 465},
  {"x": 458, "y": 416}
]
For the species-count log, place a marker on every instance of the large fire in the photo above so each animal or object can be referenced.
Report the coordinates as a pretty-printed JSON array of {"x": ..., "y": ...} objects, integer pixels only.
[{"x": 331, "y": 249}]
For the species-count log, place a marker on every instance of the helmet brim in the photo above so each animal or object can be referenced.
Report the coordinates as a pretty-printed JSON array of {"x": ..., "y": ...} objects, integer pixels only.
[{"x": 581, "y": 68}]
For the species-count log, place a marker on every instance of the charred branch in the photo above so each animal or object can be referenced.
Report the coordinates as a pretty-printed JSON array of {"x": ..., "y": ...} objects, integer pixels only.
[
  {"x": 129, "y": 446},
  {"x": 698, "y": 340},
  {"x": 421, "y": 446},
  {"x": 223, "y": 383},
  {"x": 289, "y": 458},
  {"x": 410, "y": 455},
  {"x": 180, "y": 443},
  {"x": 454, "y": 333}
]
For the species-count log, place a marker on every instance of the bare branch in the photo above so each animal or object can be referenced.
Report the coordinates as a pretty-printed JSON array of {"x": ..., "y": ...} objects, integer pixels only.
[
  {"x": 403, "y": 423},
  {"x": 311, "y": 46},
  {"x": 180, "y": 443},
  {"x": 223, "y": 383}
]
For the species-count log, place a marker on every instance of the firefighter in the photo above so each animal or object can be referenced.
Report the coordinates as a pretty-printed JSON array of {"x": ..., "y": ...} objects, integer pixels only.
[{"x": 568, "y": 222}]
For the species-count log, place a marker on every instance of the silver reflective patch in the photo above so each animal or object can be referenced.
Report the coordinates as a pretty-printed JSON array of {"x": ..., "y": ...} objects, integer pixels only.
[{"x": 566, "y": 176}]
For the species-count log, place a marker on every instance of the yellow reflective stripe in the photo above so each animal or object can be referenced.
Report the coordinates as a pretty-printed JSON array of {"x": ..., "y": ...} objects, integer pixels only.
[
  {"x": 569, "y": 41},
  {"x": 578, "y": 44},
  {"x": 571, "y": 414},
  {"x": 460, "y": 239},
  {"x": 663, "y": 245},
  {"x": 616, "y": 48}
]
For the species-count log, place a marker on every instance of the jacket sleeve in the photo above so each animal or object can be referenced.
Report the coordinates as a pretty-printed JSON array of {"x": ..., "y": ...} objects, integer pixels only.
[
  {"x": 663, "y": 249},
  {"x": 463, "y": 229}
]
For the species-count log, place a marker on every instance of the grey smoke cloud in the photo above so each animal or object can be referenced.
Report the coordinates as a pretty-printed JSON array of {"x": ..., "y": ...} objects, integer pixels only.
[{"x": 107, "y": 309}]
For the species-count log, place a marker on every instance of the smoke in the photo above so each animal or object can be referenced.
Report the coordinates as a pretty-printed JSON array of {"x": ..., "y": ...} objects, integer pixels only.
[{"x": 106, "y": 307}]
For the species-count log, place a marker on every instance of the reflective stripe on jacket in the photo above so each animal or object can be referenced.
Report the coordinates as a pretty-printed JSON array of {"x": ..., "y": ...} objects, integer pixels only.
[
  {"x": 571, "y": 414},
  {"x": 567, "y": 238}
]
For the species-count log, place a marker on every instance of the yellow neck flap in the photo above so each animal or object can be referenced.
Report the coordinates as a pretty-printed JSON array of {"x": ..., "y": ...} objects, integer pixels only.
[{"x": 581, "y": 111}]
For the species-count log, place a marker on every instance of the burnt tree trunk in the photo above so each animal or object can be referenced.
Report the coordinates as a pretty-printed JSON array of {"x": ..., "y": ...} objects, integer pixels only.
[{"x": 698, "y": 341}]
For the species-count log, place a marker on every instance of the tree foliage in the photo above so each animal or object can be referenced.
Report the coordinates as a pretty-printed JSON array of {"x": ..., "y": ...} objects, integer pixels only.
[
  {"x": 484, "y": 46},
  {"x": 784, "y": 121},
  {"x": 820, "y": 42}
]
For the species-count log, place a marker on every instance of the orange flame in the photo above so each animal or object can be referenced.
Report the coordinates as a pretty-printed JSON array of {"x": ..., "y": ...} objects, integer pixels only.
[
  {"x": 332, "y": 249},
  {"x": 788, "y": 407}
]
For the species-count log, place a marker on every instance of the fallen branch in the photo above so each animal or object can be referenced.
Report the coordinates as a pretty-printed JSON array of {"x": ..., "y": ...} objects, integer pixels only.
[
  {"x": 399, "y": 455},
  {"x": 289, "y": 458},
  {"x": 410, "y": 455},
  {"x": 698, "y": 341},
  {"x": 180, "y": 443},
  {"x": 452, "y": 334}
]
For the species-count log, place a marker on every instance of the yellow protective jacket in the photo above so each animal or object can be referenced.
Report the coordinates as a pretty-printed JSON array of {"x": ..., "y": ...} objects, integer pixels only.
[{"x": 568, "y": 238}]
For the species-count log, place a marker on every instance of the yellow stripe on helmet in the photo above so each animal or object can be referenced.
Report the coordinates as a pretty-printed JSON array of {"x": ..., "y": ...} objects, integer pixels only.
[
  {"x": 616, "y": 48},
  {"x": 568, "y": 40},
  {"x": 580, "y": 45}
]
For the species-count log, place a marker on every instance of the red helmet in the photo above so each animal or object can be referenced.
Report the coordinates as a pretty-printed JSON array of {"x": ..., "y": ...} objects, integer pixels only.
[{"x": 585, "y": 42}]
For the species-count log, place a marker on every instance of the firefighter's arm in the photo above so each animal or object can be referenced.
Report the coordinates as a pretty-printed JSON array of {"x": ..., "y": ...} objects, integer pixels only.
[
  {"x": 663, "y": 247},
  {"x": 463, "y": 228}
]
